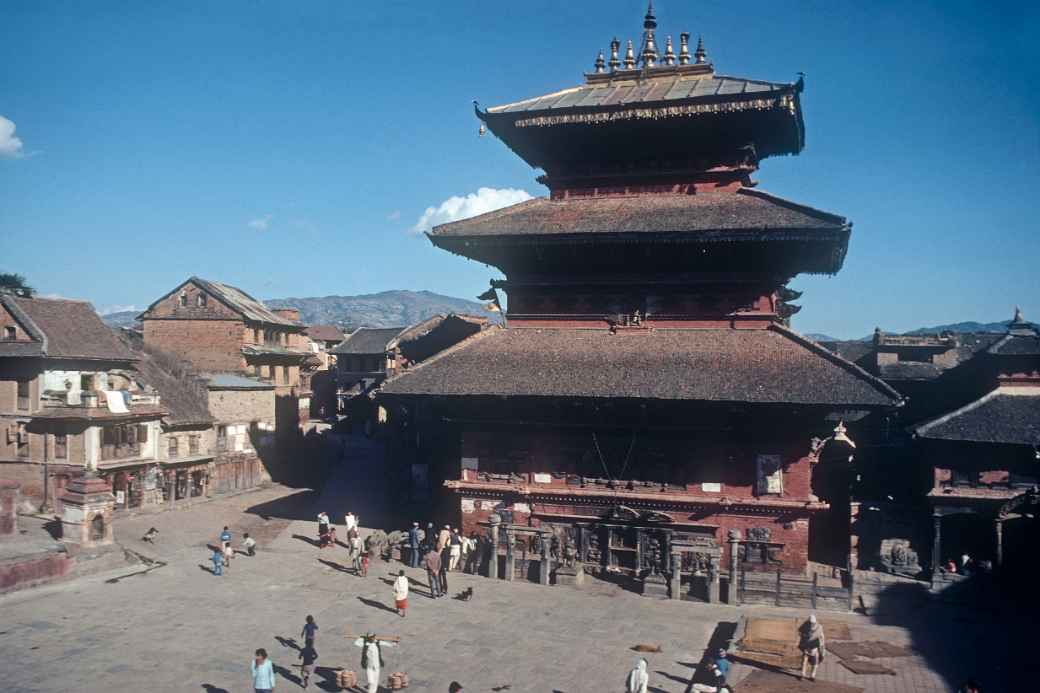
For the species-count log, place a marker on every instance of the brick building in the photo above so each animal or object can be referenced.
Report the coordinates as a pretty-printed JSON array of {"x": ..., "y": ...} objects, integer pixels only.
[
  {"x": 66, "y": 404},
  {"x": 221, "y": 329},
  {"x": 645, "y": 400}
]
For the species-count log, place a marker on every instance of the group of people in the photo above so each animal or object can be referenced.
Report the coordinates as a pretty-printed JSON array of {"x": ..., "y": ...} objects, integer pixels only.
[
  {"x": 223, "y": 554},
  {"x": 355, "y": 547},
  {"x": 262, "y": 668},
  {"x": 442, "y": 551}
]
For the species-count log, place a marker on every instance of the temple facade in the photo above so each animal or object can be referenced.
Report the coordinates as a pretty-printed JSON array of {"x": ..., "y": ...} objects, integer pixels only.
[{"x": 646, "y": 401}]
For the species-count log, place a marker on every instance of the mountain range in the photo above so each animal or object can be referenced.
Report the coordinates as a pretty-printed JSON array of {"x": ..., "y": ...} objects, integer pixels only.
[
  {"x": 383, "y": 309},
  {"x": 955, "y": 327}
]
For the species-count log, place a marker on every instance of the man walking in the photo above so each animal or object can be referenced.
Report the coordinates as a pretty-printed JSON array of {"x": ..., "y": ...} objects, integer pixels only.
[
  {"x": 413, "y": 545},
  {"x": 308, "y": 654},
  {"x": 445, "y": 561},
  {"x": 432, "y": 563},
  {"x": 811, "y": 643},
  {"x": 372, "y": 659},
  {"x": 263, "y": 672},
  {"x": 456, "y": 550},
  {"x": 401, "y": 593}
]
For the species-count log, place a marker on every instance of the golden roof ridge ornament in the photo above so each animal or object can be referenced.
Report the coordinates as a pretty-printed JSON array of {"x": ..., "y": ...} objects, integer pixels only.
[
  {"x": 630, "y": 56},
  {"x": 615, "y": 61},
  {"x": 700, "y": 56},
  {"x": 601, "y": 64},
  {"x": 684, "y": 48},
  {"x": 648, "y": 54},
  {"x": 669, "y": 53}
]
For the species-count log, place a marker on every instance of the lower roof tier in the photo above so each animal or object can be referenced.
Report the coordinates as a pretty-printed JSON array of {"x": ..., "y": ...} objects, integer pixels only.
[
  {"x": 1007, "y": 415},
  {"x": 760, "y": 366}
]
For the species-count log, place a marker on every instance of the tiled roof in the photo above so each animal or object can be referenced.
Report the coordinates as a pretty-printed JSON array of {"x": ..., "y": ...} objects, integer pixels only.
[
  {"x": 1017, "y": 345},
  {"x": 242, "y": 302},
  {"x": 273, "y": 350},
  {"x": 173, "y": 380},
  {"x": 1008, "y": 415},
  {"x": 230, "y": 381},
  {"x": 720, "y": 365},
  {"x": 102, "y": 413},
  {"x": 909, "y": 370},
  {"x": 325, "y": 333},
  {"x": 629, "y": 90},
  {"x": 368, "y": 340},
  {"x": 62, "y": 329},
  {"x": 746, "y": 214}
]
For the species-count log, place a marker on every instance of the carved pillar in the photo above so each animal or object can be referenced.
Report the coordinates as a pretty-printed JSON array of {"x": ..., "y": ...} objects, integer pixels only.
[
  {"x": 510, "y": 554},
  {"x": 494, "y": 521},
  {"x": 713, "y": 580},
  {"x": 999, "y": 526},
  {"x": 543, "y": 568},
  {"x": 675, "y": 583},
  {"x": 734, "y": 551},
  {"x": 936, "y": 542}
]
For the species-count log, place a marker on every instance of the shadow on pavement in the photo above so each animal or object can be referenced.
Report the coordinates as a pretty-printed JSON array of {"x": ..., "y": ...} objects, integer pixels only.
[
  {"x": 301, "y": 505},
  {"x": 313, "y": 542},
  {"x": 210, "y": 688},
  {"x": 337, "y": 566},
  {"x": 328, "y": 678},
  {"x": 287, "y": 675},
  {"x": 376, "y": 605},
  {"x": 287, "y": 642}
]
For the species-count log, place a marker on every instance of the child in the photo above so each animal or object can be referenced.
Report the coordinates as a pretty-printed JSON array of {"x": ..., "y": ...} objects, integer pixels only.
[
  {"x": 225, "y": 543},
  {"x": 249, "y": 544},
  {"x": 310, "y": 629},
  {"x": 308, "y": 655},
  {"x": 218, "y": 562},
  {"x": 364, "y": 564}
]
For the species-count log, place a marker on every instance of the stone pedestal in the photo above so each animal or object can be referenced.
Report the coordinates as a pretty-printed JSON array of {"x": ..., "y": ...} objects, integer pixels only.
[
  {"x": 566, "y": 575},
  {"x": 713, "y": 582},
  {"x": 675, "y": 581},
  {"x": 655, "y": 586},
  {"x": 9, "y": 507},
  {"x": 86, "y": 519}
]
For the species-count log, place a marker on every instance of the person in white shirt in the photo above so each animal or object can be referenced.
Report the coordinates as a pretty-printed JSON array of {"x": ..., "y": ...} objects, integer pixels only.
[
  {"x": 350, "y": 521},
  {"x": 401, "y": 593},
  {"x": 638, "y": 679}
]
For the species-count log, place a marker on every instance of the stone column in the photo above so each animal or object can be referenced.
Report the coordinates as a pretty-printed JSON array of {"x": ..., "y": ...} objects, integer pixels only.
[
  {"x": 999, "y": 526},
  {"x": 9, "y": 507},
  {"x": 936, "y": 543},
  {"x": 546, "y": 564},
  {"x": 494, "y": 521},
  {"x": 510, "y": 554},
  {"x": 675, "y": 578},
  {"x": 713, "y": 580},
  {"x": 734, "y": 555}
]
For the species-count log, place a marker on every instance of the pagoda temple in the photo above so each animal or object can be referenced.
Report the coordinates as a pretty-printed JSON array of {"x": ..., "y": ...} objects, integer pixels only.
[{"x": 646, "y": 401}]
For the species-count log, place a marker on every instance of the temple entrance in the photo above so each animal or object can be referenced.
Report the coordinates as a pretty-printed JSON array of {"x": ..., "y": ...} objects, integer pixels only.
[
  {"x": 967, "y": 534},
  {"x": 829, "y": 530}
]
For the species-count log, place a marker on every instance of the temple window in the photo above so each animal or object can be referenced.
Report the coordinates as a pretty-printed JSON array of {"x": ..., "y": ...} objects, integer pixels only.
[
  {"x": 769, "y": 475},
  {"x": 10, "y": 333},
  {"x": 184, "y": 299},
  {"x": 61, "y": 446},
  {"x": 23, "y": 395},
  {"x": 200, "y": 300}
]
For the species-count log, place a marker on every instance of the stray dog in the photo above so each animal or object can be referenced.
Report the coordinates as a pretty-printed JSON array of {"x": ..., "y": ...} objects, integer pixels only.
[
  {"x": 643, "y": 647},
  {"x": 465, "y": 595},
  {"x": 151, "y": 535}
]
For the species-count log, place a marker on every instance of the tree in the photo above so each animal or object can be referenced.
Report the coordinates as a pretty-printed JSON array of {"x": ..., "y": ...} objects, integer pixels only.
[{"x": 12, "y": 283}]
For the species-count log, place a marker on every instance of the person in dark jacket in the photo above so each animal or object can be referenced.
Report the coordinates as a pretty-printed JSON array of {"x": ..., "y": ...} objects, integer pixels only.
[
  {"x": 432, "y": 563},
  {"x": 413, "y": 546}
]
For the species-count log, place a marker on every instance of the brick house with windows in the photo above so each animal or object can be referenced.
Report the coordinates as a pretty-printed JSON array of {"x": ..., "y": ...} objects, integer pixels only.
[
  {"x": 221, "y": 329},
  {"x": 65, "y": 403}
]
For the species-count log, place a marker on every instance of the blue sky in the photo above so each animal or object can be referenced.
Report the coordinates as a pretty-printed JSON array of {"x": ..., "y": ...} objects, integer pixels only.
[{"x": 289, "y": 147}]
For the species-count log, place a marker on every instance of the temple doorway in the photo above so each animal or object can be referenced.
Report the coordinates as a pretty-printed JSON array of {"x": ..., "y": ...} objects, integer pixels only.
[{"x": 97, "y": 528}]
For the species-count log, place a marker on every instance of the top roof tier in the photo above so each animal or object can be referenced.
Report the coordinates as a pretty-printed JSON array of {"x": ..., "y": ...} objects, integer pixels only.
[{"x": 652, "y": 111}]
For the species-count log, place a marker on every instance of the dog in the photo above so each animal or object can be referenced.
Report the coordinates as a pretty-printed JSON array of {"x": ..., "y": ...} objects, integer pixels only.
[
  {"x": 465, "y": 595},
  {"x": 151, "y": 535}
]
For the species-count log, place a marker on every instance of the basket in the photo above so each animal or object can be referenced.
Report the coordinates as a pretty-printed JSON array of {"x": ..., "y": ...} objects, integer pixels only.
[
  {"x": 398, "y": 680},
  {"x": 346, "y": 678}
]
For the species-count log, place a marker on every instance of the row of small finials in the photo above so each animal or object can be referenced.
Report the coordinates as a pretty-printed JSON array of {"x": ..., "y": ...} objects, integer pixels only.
[{"x": 649, "y": 56}]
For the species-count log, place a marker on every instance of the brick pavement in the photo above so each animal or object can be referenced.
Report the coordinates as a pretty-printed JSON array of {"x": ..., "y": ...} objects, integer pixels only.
[{"x": 179, "y": 628}]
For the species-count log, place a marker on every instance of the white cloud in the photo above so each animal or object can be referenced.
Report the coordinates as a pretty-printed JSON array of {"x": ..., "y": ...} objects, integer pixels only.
[
  {"x": 116, "y": 308},
  {"x": 261, "y": 223},
  {"x": 10, "y": 146},
  {"x": 455, "y": 207}
]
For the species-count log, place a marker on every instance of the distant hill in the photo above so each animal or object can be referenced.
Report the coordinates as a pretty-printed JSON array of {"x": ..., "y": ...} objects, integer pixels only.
[
  {"x": 384, "y": 309},
  {"x": 123, "y": 318},
  {"x": 820, "y": 337},
  {"x": 961, "y": 327}
]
